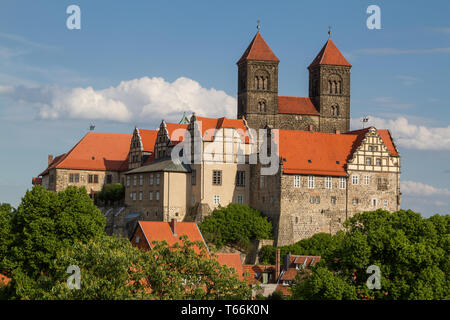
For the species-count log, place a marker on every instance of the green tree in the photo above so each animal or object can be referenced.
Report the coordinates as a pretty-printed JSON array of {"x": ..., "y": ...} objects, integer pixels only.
[
  {"x": 112, "y": 269},
  {"x": 44, "y": 223},
  {"x": 6, "y": 213},
  {"x": 112, "y": 192},
  {"x": 411, "y": 252},
  {"x": 235, "y": 225}
]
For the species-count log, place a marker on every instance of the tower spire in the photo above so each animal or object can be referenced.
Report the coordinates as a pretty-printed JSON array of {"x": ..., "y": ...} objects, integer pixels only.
[
  {"x": 258, "y": 25},
  {"x": 329, "y": 31}
]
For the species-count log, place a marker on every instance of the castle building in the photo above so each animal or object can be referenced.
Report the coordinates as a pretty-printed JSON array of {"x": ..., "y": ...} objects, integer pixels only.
[{"x": 325, "y": 173}]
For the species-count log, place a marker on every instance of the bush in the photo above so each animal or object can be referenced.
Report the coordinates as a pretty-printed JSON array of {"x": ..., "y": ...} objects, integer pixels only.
[
  {"x": 235, "y": 225},
  {"x": 112, "y": 192}
]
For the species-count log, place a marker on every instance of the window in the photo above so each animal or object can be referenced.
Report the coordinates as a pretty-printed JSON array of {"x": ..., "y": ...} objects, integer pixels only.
[
  {"x": 385, "y": 203},
  {"x": 240, "y": 178},
  {"x": 342, "y": 183},
  {"x": 134, "y": 196},
  {"x": 366, "y": 180},
  {"x": 134, "y": 180},
  {"x": 296, "y": 181},
  {"x": 317, "y": 199},
  {"x": 240, "y": 199},
  {"x": 216, "y": 199},
  {"x": 328, "y": 182},
  {"x": 261, "y": 182},
  {"x": 193, "y": 177},
  {"x": 355, "y": 179},
  {"x": 150, "y": 195},
  {"x": 355, "y": 201},
  {"x": 140, "y": 195},
  {"x": 157, "y": 195},
  {"x": 193, "y": 200},
  {"x": 71, "y": 177},
  {"x": 95, "y": 178},
  {"x": 311, "y": 182},
  {"x": 375, "y": 148},
  {"x": 141, "y": 180},
  {"x": 374, "y": 202},
  {"x": 311, "y": 200},
  {"x": 151, "y": 179},
  {"x": 157, "y": 179},
  {"x": 369, "y": 148},
  {"x": 333, "y": 200},
  {"x": 128, "y": 181},
  {"x": 378, "y": 162},
  {"x": 136, "y": 240},
  {"x": 108, "y": 178},
  {"x": 296, "y": 219},
  {"x": 368, "y": 161},
  {"x": 217, "y": 177},
  {"x": 131, "y": 195},
  {"x": 90, "y": 178}
]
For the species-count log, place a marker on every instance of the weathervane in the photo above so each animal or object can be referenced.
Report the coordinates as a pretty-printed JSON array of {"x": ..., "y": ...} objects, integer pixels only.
[
  {"x": 91, "y": 127},
  {"x": 258, "y": 26},
  {"x": 364, "y": 120},
  {"x": 329, "y": 31}
]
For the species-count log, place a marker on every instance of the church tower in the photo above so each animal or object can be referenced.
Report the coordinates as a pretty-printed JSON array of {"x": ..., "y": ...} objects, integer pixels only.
[
  {"x": 329, "y": 88},
  {"x": 258, "y": 85}
]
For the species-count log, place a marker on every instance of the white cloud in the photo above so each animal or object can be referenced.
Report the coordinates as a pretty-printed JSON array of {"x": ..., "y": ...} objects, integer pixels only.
[
  {"x": 409, "y": 135},
  {"x": 138, "y": 99},
  {"x": 420, "y": 189}
]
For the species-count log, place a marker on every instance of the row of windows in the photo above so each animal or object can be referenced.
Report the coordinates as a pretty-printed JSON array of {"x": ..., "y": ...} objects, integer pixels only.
[
  {"x": 140, "y": 194},
  {"x": 92, "y": 178},
  {"x": 312, "y": 182},
  {"x": 355, "y": 201},
  {"x": 217, "y": 178},
  {"x": 153, "y": 179},
  {"x": 369, "y": 161}
]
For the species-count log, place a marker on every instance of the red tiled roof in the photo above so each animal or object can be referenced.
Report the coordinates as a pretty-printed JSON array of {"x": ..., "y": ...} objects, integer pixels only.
[
  {"x": 53, "y": 164},
  {"x": 315, "y": 153},
  {"x": 96, "y": 151},
  {"x": 209, "y": 127},
  {"x": 290, "y": 274},
  {"x": 285, "y": 290},
  {"x": 180, "y": 130},
  {"x": 254, "y": 269},
  {"x": 258, "y": 50},
  {"x": 232, "y": 260},
  {"x": 4, "y": 280},
  {"x": 35, "y": 181},
  {"x": 310, "y": 260},
  {"x": 148, "y": 138},
  {"x": 296, "y": 105},
  {"x": 159, "y": 231},
  {"x": 330, "y": 55}
]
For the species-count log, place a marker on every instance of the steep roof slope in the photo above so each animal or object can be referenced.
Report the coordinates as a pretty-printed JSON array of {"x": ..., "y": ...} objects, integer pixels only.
[
  {"x": 296, "y": 105},
  {"x": 258, "y": 50},
  {"x": 330, "y": 55}
]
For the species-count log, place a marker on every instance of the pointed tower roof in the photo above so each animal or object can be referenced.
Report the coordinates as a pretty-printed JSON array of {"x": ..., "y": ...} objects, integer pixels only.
[
  {"x": 330, "y": 55},
  {"x": 258, "y": 50}
]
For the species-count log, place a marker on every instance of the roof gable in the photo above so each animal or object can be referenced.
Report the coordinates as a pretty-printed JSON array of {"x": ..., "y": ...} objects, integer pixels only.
[
  {"x": 209, "y": 127},
  {"x": 232, "y": 260},
  {"x": 258, "y": 50},
  {"x": 330, "y": 55}
]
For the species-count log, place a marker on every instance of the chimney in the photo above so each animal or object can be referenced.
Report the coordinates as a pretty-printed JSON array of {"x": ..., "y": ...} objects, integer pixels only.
[
  {"x": 277, "y": 264},
  {"x": 311, "y": 128},
  {"x": 50, "y": 159},
  {"x": 338, "y": 131},
  {"x": 173, "y": 226}
]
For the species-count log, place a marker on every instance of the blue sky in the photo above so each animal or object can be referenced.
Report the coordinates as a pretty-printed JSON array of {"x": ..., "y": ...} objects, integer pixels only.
[{"x": 136, "y": 62}]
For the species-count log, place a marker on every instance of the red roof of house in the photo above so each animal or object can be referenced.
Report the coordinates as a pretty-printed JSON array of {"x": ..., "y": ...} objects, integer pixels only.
[
  {"x": 209, "y": 126},
  {"x": 148, "y": 138},
  {"x": 296, "y": 105},
  {"x": 258, "y": 50},
  {"x": 315, "y": 153},
  {"x": 255, "y": 270},
  {"x": 232, "y": 260},
  {"x": 162, "y": 231},
  {"x": 95, "y": 151},
  {"x": 289, "y": 274},
  {"x": 180, "y": 130},
  {"x": 4, "y": 280},
  {"x": 330, "y": 55},
  {"x": 35, "y": 181},
  {"x": 53, "y": 164}
]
